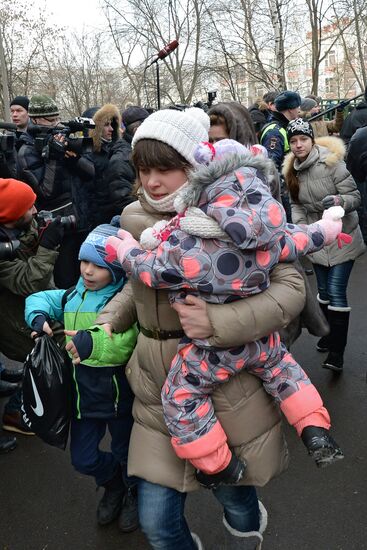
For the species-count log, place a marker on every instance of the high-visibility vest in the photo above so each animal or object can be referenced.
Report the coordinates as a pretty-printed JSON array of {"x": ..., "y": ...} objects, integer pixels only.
[{"x": 271, "y": 126}]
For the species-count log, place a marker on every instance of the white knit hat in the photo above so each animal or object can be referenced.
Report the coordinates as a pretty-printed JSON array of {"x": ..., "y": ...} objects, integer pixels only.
[{"x": 183, "y": 131}]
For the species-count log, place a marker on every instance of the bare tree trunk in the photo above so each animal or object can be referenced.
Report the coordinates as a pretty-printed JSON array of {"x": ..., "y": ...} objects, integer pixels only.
[
  {"x": 361, "y": 55},
  {"x": 4, "y": 81},
  {"x": 277, "y": 24}
]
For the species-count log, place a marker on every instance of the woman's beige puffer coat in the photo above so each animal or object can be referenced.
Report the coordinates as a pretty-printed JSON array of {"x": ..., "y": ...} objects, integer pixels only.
[
  {"x": 324, "y": 173},
  {"x": 248, "y": 415}
]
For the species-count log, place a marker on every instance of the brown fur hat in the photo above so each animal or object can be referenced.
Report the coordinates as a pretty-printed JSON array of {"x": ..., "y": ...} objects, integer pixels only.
[{"x": 106, "y": 113}]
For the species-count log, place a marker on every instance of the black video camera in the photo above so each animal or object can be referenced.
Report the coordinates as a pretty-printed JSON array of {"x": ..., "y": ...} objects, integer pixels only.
[
  {"x": 79, "y": 145},
  {"x": 212, "y": 95},
  {"x": 7, "y": 249},
  {"x": 44, "y": 218},
  {"x": 7, "y": 141}
]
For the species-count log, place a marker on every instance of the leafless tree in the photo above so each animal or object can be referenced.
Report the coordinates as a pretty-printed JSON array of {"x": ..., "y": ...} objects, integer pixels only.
[
  {"x": 143, "y": 27},
  {"x": 27, "y": 39}
]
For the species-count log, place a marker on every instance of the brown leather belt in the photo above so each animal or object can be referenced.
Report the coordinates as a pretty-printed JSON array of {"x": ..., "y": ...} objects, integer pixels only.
[{"x": 158, "y": 334}]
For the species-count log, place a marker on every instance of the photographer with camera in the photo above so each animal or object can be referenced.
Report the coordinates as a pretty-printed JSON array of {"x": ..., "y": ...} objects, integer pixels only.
[
  {"x": 61, "y": 178},
  {"x": 27, "y": 259}
]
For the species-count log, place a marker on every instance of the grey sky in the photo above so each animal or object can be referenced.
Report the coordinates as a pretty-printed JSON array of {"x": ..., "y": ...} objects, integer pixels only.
[{"x": 80, "y": 15}]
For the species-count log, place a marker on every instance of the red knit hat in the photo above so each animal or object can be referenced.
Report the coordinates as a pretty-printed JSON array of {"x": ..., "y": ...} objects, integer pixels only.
[{"x": 16, "y": 198}]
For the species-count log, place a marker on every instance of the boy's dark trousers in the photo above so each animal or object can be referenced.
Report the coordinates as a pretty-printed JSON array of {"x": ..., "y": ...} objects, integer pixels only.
[{"x": 86, "y": 456}]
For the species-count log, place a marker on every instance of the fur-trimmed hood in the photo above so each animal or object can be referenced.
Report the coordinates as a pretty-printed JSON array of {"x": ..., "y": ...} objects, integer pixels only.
[
  {"x": 106, "y": 113},
  {"x": 204, "y": 176},
  {"x": 332, "y": 150}
]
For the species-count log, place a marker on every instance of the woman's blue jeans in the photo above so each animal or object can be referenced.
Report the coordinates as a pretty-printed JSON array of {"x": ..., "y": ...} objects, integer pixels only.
[
  {"x": 161, "y": 513},
  {"x": 332, "y": 283}
]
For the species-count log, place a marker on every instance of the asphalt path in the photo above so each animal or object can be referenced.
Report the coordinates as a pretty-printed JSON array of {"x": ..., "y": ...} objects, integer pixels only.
[{"x": 46, "y": 505}]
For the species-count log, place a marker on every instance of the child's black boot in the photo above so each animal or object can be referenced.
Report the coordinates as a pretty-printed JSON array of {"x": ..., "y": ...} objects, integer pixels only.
[
  {"x": 129, "y": 519},
  {"x": 110, "y": 504},
  {"x": 231, "y": 475},
  {"x": 321, "y": 446}
]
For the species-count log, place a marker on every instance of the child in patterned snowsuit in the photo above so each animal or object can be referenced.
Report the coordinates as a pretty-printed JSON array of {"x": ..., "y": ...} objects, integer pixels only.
[{"x": 222, "y": 247}]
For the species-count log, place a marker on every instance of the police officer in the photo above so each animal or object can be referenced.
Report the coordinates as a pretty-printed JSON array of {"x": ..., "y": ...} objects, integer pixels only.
[{"x": 274, "y": 135}]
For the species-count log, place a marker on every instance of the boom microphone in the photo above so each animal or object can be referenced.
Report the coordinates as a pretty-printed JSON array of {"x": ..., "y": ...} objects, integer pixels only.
[{"x": 164, "y": 52}]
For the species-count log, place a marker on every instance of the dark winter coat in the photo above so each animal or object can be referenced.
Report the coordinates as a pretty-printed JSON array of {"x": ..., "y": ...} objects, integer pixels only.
[
  {"x": 63, "y": 186},
  {"x": 8, "y": 164},
  {"x": 258, "y": 117},
  {"x": 357, "y": 155},
  {"x": 356, "y": 119},
  {"x": 114, "y": 177},
  {"x": 114, "y": 173}
]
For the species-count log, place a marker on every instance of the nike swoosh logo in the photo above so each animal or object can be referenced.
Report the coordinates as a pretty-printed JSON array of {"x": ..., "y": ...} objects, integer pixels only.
[{"x": 38, "y": 409}]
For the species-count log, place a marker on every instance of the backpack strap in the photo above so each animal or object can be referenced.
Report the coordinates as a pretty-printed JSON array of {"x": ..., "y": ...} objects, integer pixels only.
[{"x": 66, "y": 296}]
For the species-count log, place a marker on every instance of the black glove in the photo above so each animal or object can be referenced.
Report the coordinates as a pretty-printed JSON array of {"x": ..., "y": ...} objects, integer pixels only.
[
  {"x": 38, "y": 322},
  {"x": 231, "y": 475},
  {"x": 332, "y": 200},
  {"x": 52, "y": 235},
  {"x": 342, "y": 105},
  {"x": 56, "y": 149}
]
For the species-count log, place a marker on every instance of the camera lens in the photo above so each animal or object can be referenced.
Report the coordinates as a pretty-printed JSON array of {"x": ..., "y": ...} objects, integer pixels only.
[
  {"x": 69, "y": 222},
  {"x": 7, "y": 250}
]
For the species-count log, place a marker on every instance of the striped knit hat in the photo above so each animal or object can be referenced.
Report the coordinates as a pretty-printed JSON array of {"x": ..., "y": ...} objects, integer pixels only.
[
  {"x": 93, "y": 250},
  {"x": 182, "y": 130}
]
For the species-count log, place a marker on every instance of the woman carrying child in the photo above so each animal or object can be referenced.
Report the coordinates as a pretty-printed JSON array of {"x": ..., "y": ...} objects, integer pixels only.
[{"x": 164, "y": 156}]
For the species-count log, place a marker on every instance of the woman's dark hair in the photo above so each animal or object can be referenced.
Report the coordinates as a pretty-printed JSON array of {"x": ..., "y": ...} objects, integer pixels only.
[
  {"x": 237, "y": 121},
  {"x": 151, "y": 153},
  {"x": 218, "y": 120},
  {"x": 292, "y": 183}
]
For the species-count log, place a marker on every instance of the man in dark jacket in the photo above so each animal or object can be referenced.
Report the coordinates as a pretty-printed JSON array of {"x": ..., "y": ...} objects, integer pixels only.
[
  {"x": 356, "y": 119},
  {"x": 61, "y": 179},
  {"x": 28, "y": 269},
  {"x": 114, "y": 174}
]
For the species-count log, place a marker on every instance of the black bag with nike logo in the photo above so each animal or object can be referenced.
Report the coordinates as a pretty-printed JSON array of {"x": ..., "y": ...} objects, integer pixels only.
[{"x": 47, "y": 391}]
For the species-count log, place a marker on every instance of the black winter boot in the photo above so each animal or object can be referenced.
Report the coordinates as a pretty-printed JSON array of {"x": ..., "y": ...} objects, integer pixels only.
[
  {"x": 321, "y": 446},
  {"x": 129, "y": 519},
  {"x": 339, "y": 322},
  {"x": 323, "y": 344},
  {"x": 231, "y": 475},
  {"x": 110, "y": 504}
]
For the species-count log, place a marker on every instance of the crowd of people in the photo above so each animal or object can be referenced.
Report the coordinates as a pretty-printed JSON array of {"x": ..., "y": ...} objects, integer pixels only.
[{"x": 162, "y": 251}]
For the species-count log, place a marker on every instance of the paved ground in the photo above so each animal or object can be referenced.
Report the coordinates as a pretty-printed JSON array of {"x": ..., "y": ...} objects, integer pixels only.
[{"x": 45, "y": 505}]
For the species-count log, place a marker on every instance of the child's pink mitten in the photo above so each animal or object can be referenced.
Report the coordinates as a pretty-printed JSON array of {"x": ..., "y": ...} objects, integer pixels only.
[
  {"x": 119, "y": 247},
  {"x": 332, "y": 226}
]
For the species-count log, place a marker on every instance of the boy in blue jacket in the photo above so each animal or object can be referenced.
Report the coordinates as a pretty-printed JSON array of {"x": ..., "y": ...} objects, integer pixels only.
[{"x": 102, "y": 396}]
